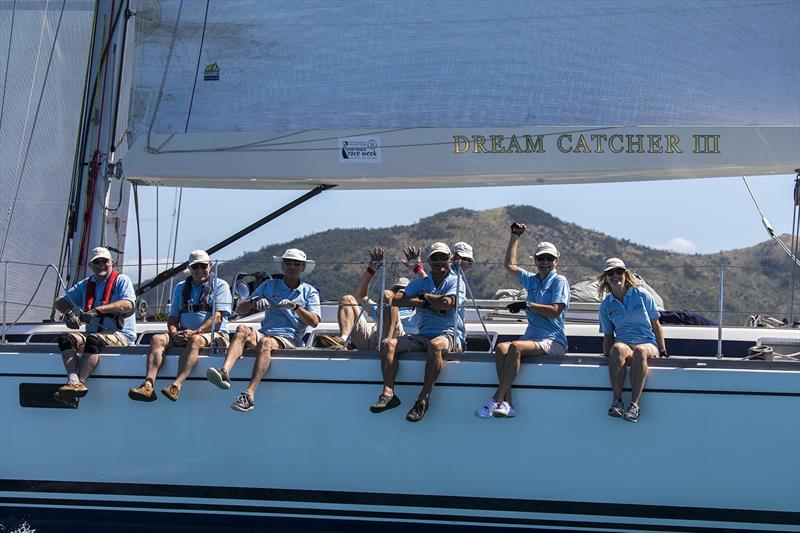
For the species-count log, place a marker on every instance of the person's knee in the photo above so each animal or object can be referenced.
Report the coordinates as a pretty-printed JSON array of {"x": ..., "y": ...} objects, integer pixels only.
[
  {"x": 639, "y": 356},
  {"x": 514, "y": 350},
  {"x": 265, "y": 345},
  {"x": 388, "y": 296},
  {"x": 159, "y": 340},
  {"x": 347, "y": 300},
  {"x": 435, "y": 348},
  {"x": 93, "y": 344},
  {"x": 388, "y": 345},
  {"x": 502, "y": 348},
  {"x": 197, "y": 341},
  {"x": 67, "y": 342}
]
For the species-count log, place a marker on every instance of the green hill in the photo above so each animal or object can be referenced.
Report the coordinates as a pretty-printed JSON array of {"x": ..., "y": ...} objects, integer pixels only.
[{"x": 757, "y": 279}]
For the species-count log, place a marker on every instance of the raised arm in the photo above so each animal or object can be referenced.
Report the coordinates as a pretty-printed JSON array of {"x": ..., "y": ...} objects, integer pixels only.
[
  {"x": 375, "y": 261},
  {"x": 517, "y": 229}
]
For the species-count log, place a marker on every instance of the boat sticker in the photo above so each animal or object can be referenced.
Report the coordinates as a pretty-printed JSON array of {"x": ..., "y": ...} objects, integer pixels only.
[
  {"x": 360, "y": 150},
  {"x": 211, "y": 72}
]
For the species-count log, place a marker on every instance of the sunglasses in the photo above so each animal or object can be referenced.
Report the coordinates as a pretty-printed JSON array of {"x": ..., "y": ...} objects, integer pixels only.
[
  {"x": 439, "y": 257},
  {"x": 100, "y": 261},
  {"x": 546, "y": 257},
  {"x": 198, "y": 266},
  {"x": 292, "y": 262},
  {"x": 616, "y": 271},
  {"x": 465, "y": 260}
]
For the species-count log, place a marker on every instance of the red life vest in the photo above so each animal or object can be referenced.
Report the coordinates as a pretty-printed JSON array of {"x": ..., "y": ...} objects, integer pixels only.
[{"x": 90, "y": 290}]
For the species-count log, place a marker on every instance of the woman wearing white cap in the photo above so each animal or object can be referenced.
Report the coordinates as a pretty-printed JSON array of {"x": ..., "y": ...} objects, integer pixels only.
[
  {"x": 632, "y": 334},
  {"x": 547, "y": 303},
  {"x": 290, "y": 306}
]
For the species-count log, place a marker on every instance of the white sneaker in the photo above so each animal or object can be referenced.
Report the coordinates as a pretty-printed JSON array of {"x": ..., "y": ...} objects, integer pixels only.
[
  {"x": 488, "y": 410},
  {"x": 505, "y": 410}
]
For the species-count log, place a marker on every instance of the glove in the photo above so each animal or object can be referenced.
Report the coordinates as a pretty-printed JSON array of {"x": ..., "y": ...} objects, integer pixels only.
[
  {"x": 88, "y": 316},
  {"x": 71, "y": 320},
  {"x": 261, "y": 304},
  {"x": 517, "y": 228},
  {"x": 375, "y": 258},
  {"x": 516, "y": 307},
  {"x": 412, "y": 256},
  {"x": 286, "y": 304}
]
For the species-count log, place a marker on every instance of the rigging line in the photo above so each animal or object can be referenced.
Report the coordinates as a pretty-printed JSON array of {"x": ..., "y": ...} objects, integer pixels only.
[
  {"x": 197, "y": 69},
  {"x": 257, "y": 148},
  {"x": 8, "y": 62},
  {"x": 164, "y": 77},
  {"x": 177, "y": 227},
  {"x": 138, "y": 232},
  {"x": 33, "y": 126},
  {"x": 769, "y": 228}
]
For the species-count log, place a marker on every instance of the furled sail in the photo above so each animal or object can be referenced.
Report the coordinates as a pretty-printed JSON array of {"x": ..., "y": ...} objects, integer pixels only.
[{"x": 225, "y": 93}]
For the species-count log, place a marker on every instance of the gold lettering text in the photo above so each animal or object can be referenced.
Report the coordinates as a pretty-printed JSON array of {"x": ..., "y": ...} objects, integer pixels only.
[
  {"x": 561, "y": 137},
  {"x": 672, "y": 144},
  {"x": 612, "y": 146},
  {"x": 497, "y": 144},
  {"x": 598, "y": 139},
  {"x": 536, "y": 147},
  {"x": 654, "y": 144},
  {"x": 460, "y": 144},
  {"x": 639, "y": 149},
  {"x": 581, "y": 147},
  {"x": 706, "y": 144},
  {"x": 478, "y": 144}
]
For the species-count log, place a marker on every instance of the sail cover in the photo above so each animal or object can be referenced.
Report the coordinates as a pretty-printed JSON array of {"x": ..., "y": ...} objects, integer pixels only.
[
  {"x": 43, "y": 56},
  {"x": 358, "y": 71}
]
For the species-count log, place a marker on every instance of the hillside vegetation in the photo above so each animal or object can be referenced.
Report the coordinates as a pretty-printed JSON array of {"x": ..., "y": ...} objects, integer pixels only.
[{"x": 757, "y": 279}]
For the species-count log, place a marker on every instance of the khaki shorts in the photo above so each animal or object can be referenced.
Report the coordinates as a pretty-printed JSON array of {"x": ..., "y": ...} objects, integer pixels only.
[
  {"x": 650, "y": 350},
  {"x": 552, "y": 347},
  {"x": 108, "y": 339},
  {"x": 364, "y": 335},
  {"x": 419, "y": 343},
  {"x": 221, "y": 340},
  {"x": 285, "y": 343}
]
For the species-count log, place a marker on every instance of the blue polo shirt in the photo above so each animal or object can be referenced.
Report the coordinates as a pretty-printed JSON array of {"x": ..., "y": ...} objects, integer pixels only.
[
  {"x": 193, "y": 320},
  {"x": 629, "y": 320},
  {"x": 123, "y": 290},
  {"x": 433, "y": 323},
  {"x": 553, "y": 289},
  {"x": 284, "y": 322}
]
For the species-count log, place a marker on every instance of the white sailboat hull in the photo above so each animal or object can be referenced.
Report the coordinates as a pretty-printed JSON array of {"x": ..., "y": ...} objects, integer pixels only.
[{"x": 715, "y": 448}]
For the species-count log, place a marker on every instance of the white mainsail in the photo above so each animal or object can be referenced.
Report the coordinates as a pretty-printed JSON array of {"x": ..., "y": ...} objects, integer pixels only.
[{"x": 254, "y": 83}]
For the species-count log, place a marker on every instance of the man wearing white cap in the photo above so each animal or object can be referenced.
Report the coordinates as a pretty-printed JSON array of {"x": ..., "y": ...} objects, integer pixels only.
[
  {"x": 436, "y": 298},
  {"x": 546, "y": 305},
  {"x": 104, "y": 302},
  {"x": 290, "y": 307},
  {"x": 631, "y": 334},
  {"x": 199, "y": 302}
]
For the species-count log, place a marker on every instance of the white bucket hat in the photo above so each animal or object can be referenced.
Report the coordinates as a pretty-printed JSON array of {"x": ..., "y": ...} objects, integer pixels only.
[
  {"x": 198, "y": 256},
  {"x": 99, "y": 252},
  {"x": 545, "y": 247},
  {"x": 614, "y": 262},
  {"x": 438, "y": 247},
  {"x": 464, "y": 250},
  {"x": 296, "y": 255}
]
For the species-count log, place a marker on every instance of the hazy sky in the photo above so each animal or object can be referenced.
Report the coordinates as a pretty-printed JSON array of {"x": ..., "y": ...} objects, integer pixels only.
[{"x": 693, "y": 216}]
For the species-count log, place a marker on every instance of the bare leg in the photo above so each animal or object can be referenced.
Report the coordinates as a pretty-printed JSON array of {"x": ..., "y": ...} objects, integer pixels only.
[
  {"x": 244, "y": 336},
  {"x": 86, "y": 365},
  {"x": 389, "y": 365},
  {"x": 433, "y": 366},
  {"x": 513, "y": 361},
  {"x": 347, "y": 314},
  {"x": 188, "y": 359},
  {"x": 638, "y": 373},
  {"x": 391, "y": 316},
  {"x": 616, "y": 368},
  {"x": 260, "y": 367},
  {"x": 155, "y": 357},
  {"x": 70, "y": 355}
]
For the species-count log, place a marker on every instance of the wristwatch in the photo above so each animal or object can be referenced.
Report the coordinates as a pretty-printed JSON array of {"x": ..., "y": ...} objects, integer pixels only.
[{"x": 663, "y": 353}]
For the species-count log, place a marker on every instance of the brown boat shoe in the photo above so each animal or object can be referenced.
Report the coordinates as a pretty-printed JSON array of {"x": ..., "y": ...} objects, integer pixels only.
[
  {"x": 71, "y": 391},
  {"x": 143, "y": 393},
  {"x": 172, "y": 392}
]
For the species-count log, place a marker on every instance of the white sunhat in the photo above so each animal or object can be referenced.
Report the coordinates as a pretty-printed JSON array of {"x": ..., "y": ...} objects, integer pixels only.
[
  {"x": 614, "y": 262},
  {"x": 545, "y": 247},
  {"x": 99, "y": 252},
  {"x": 464, "y": 250},
  {"x": 401, "y": 283},
  {"x": 296, "y": 254},
  {"x": 198, "y": 256},
  {"x": 436, "y": 248}
]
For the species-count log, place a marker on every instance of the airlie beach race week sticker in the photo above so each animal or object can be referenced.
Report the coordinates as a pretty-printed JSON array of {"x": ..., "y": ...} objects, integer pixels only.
[
  {"x": 211, "y": 72},
  {"x": 360, "y": 150}
]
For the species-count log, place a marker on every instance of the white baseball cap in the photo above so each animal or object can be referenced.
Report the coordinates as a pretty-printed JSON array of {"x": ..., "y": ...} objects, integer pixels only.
[
  {"x": 198, "y": 256},
  {"x": 438, "y": 247},
  {"x": 401, "y": 283},
  {"x": 296, "y": 254},
  {"x": 545, "y": 247},
  {"x": 614, "y": 262},
  {"x": 99, "y": 252},
  {"x": 464, "y": 250}
]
